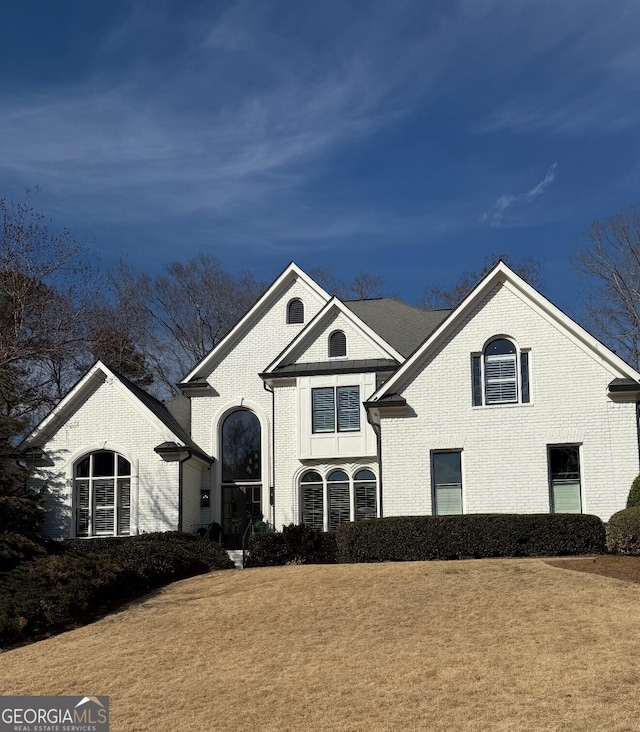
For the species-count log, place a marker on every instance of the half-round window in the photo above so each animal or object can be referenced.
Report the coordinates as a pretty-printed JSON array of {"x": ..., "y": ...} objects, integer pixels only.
[
  {"x": 295, "y": 311},
  {"x": 102, "y": 490},
  {"x": 337, "y": 344}
]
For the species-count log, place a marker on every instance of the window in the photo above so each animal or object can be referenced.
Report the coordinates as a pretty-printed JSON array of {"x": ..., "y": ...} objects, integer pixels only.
[
  {"x": 327, "y": 503},
  {"x": 337, "y": 344},
  {"x": 102, "y": 486},
  {"x": 335, "y": 407},
  {"x": 500, "y": 375},
  {"x": 295, "y": 311},
  {"x": 564, "y": 474},
  {"x": 447, "y": 483}
]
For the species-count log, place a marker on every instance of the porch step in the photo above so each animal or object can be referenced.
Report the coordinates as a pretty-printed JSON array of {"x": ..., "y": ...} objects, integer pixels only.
[{"x": 235, "y": 555}]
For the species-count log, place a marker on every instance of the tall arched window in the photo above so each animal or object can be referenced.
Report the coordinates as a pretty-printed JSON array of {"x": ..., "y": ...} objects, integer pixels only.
[
  {"x": 339, "y": 501},
  {"x": 312, "y": 500},
  {"x": 501, "y": 374},
  {"x": 295, "y": 311},
  {"x": 102, "y": 488},
  {"x": 337, "y": 344},
  {"x": 366, "y": 495},
  {"x": 330, "y": 500},
  {"x": 241, "y": 458}
]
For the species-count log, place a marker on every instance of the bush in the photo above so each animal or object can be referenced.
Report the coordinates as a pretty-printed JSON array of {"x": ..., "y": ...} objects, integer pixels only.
[
  {"x": 469, "y": 536},
  {"x": 82, "y": 579},
  {"x": 296, "y": 544},
  {"x": 634, "y": 493},
  {"x": 623, "y": 532}
]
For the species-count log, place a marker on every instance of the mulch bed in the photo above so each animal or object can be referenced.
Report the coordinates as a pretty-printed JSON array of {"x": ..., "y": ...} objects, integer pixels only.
[{"x": 608, "y": 565}]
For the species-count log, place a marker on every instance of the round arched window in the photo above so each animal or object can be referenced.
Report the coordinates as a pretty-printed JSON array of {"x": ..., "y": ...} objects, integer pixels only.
[{"x": 102, "y": 489}]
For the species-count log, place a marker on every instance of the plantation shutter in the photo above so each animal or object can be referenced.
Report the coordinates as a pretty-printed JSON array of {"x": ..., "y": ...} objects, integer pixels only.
[
  {"x": 124, "y": 506},
  {"x": 82, "y": 507},
  {"x": 500, "y": 378},
  {"x": 365, "y": 487},
  {"x": 348, "y": 408},
  {"x": 337, "y": 344},
  {"x": 447, "y": 480},
  {"x": 323, "y": 410},
  {"x": 104, "y": 507},
  {"x": 339, "y": 508},
  {"x": 312, "y": 506},
  {"x": 295, "y": 312}
]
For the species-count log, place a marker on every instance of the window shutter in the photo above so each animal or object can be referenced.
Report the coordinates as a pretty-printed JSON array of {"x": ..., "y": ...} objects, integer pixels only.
[
  {"x": 82, "y": 507},
  {"x": 104, "y": 495},
  {"x": 323, "y": 410},
  {"x": 337, "y": 344},
  {"x": 312, "y": 506},
  {"x": 348, "y": 408},
  {"x": 500, "y": 379},
  {"x": 339, "y": 508},
  {"x": 295, "y": 312},
  {"x": 477, "y": 381},
  {"x": 124, "y": 507},
  {"x": 366, "y": 501},
  {"x": 524, "y": 376}
]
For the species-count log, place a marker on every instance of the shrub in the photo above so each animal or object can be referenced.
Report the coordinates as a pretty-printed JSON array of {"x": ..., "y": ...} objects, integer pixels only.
[
  {"x": 623, "y": 532},
  {"x": 81, "y": 579},
  {"x": 634, "y": 493},
  {"x": 296, "y": 544},
  {"x": 469, "y": 536}
]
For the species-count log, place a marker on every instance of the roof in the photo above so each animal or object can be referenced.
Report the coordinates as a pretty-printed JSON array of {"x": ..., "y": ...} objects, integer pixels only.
[
  {"x": 402, "y": 326},
  {"x": 346, "y": 366},
  {"x": 163, "y": 414}
]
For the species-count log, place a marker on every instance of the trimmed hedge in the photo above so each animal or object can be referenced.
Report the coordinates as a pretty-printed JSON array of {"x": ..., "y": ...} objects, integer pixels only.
[
  {"x": 469, "y": 536},
  {"x": 623, "y": 532},
  {"x": 82, "y": 579},
  {"x": 634, "y": 493},
  {"x": 296, "y": 544}
]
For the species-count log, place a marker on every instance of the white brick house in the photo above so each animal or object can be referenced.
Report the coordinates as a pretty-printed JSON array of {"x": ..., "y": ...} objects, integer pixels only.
[{"x": 323, "y": 411}]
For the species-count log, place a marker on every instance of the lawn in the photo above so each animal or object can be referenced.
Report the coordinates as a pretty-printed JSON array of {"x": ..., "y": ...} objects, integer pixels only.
[{"x": 513, "y": 644}]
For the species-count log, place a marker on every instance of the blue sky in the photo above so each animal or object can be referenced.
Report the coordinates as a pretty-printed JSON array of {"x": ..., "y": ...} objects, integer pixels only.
[{"x": 406, "y": 138}]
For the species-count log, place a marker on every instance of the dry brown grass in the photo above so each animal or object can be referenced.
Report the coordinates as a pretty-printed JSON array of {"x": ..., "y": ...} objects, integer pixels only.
[{"x": 474, "y": 645}]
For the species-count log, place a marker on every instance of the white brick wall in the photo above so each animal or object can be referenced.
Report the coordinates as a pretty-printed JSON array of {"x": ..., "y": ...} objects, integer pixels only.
[
  {"x": 504, "y": 447},
  {"x": 108, "y": 420}
]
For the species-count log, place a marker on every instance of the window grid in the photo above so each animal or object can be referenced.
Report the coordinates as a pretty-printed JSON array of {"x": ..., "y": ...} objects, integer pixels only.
[{"x": 103, "y": 495}]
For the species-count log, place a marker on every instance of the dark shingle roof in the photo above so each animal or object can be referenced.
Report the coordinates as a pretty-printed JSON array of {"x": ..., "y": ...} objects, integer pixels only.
[
  {"x": 346, "y": 366},
  {"x": 163, "y": 414},
  {"x": 402, "y": 326}
]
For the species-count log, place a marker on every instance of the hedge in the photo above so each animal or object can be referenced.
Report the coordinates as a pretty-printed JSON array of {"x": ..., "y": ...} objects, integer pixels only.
[
  {"x": 82, "y": 579},
  {"x": 469, "y": 536},
  {"x": 296, "y": 544},
  {"x": 633, "y": 498},
  {"x": 623, "y": 532}
]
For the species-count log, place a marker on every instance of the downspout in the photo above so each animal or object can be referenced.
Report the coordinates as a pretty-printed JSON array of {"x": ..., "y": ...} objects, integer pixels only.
[
  {"x": 377, "y": 428},
  {"x": 272, "y": 487},
  {"x": 180, "y": 489}
]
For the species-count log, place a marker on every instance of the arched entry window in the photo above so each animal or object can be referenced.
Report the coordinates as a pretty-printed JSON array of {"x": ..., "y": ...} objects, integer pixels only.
[
  {"x": 241, "y": 455},
  {"x": 102, "y": 489}
]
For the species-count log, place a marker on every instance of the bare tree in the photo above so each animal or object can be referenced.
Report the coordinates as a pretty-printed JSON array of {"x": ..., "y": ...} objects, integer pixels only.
[
  {"x": 364, "y": 285},
  {"x": 611, "y": 256},
  {"x": 436, "y": 298}
]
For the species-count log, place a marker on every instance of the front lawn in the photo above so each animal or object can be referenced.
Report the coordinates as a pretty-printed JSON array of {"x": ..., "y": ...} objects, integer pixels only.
[{"x": 496, "y": 644}]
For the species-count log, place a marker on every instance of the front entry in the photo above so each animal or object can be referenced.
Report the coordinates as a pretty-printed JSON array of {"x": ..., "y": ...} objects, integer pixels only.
[{"x": 241, "y": 506}]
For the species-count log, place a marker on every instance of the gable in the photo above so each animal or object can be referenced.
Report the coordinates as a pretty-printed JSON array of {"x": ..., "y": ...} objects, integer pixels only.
[{"x": 265, "y": 331}]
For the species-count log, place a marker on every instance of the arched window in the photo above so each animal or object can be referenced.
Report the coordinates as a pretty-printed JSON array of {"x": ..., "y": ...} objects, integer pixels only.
[
  {"x": 501, "y": 374},
  {"x": 295, "y": 311},
  {"x": 337, "y": 344},
  {"x": 327, "y": 502},
  {"x": 366, "y": 494},
  {"x": 312, "y": 501},
  {"x": 102, "y": 488},
  {"x": 241, "y": 458}
]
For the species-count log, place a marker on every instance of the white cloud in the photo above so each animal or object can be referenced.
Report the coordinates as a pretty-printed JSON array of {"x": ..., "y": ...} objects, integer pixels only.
[{"x": 498, "y": 212}]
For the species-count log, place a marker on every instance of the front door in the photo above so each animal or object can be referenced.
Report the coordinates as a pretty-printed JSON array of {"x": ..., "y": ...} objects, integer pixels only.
[{"x": 241, "y": 506}]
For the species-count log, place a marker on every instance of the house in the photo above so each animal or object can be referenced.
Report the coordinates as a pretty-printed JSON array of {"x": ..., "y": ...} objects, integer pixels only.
[{"x": 317, "y": 410}]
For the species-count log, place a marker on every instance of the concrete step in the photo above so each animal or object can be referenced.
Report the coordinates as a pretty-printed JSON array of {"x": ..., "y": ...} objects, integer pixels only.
[{"x": 235, "y": 555}]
